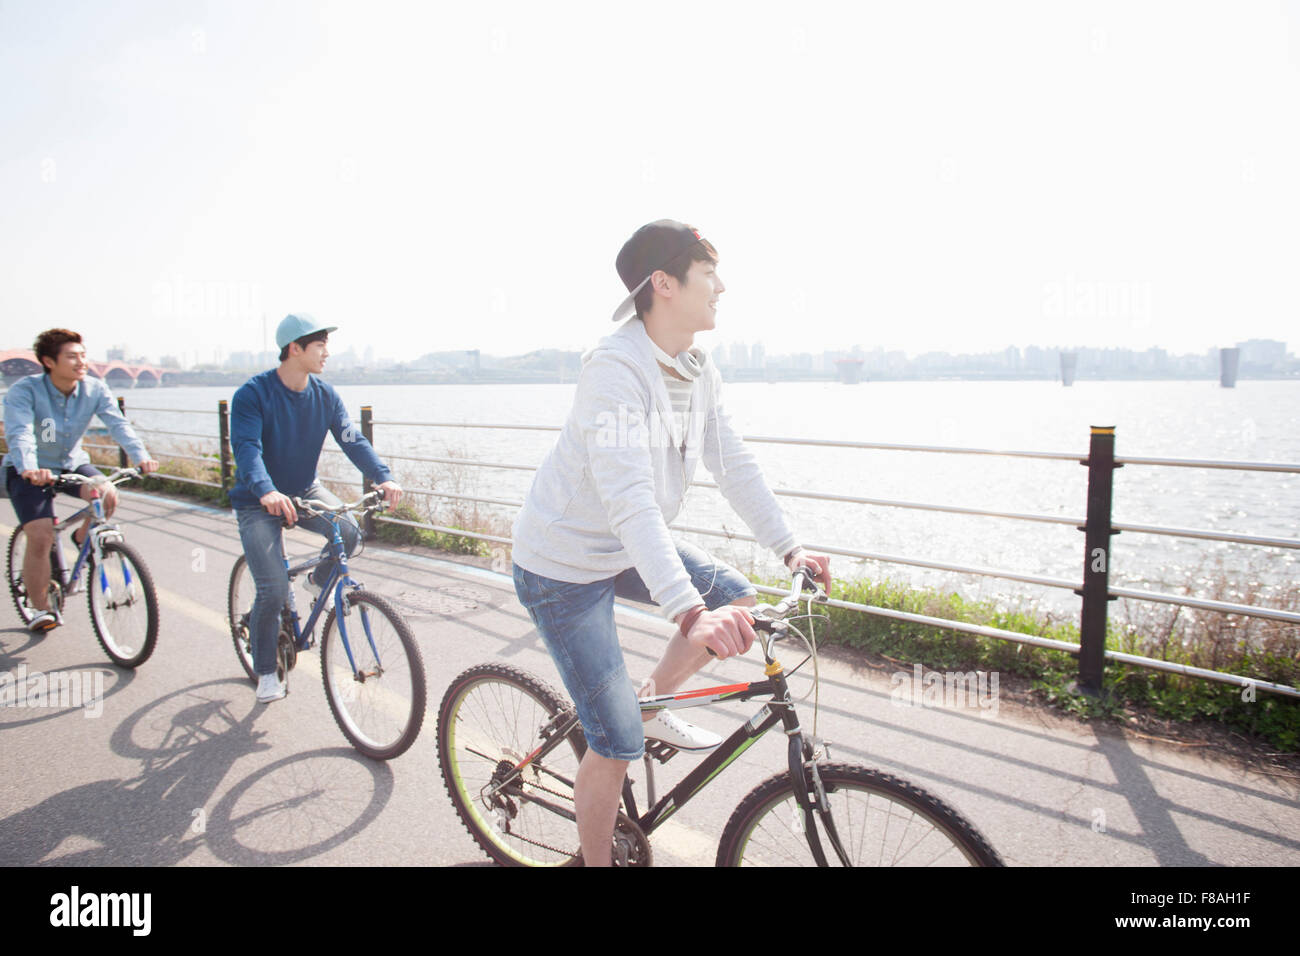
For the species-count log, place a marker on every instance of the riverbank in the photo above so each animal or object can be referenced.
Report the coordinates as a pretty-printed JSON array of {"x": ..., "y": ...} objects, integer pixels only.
[
  {"x": 1191, "y": 711},
  {"x": 1263, "y": 724}
]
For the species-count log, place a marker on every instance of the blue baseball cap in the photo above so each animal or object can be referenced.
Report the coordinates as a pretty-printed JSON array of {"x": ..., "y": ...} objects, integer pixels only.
[{"x": 293, "y": 327}]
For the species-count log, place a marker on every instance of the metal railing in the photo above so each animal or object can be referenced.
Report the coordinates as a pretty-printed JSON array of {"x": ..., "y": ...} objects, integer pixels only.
[{"x": 1098, "y": 528}]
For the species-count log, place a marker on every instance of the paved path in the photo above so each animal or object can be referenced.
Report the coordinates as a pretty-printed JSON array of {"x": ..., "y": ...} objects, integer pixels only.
[{"x": 182, "y": 767}]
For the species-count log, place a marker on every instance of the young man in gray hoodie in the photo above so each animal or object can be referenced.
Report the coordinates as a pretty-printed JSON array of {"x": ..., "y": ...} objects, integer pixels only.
[{"x": 595, "y": 524}]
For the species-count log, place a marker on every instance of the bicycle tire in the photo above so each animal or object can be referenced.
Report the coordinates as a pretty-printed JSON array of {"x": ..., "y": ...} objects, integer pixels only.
[
  {"x": 15, "y": 553},
  {"x": 383, "y": 719},
  {"x": 240, "y": 594},
  {"x": 127, "y": 638},
  {"x": 882, "y": 820},
  {"x": 489, "y": 720}
]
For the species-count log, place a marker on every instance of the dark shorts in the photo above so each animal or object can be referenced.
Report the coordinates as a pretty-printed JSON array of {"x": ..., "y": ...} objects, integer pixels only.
[{"x": 32, "y": 502}]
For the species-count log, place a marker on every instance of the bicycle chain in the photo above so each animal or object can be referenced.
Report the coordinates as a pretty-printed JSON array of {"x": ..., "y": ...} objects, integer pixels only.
[{"x": 538, "y": 843}]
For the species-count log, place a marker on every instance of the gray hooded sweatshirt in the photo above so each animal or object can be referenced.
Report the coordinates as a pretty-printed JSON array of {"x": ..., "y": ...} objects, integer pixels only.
[{"x": 602, "y": 500}]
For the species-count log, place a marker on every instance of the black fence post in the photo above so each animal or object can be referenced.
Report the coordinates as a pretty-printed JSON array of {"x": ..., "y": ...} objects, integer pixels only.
[
  {"x": 368, "y": 432},
  {"x": 223, "y": 427},
  {"x": 1096, "y": 559},
  {"x": 122, "y": 460}
]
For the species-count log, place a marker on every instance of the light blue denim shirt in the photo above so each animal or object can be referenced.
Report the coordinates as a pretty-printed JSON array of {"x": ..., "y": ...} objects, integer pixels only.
[{"x": 43, "y": 427}]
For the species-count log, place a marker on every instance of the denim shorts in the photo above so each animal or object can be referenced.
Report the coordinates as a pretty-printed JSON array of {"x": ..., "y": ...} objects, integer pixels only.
[{"x": 576, "y": 622}]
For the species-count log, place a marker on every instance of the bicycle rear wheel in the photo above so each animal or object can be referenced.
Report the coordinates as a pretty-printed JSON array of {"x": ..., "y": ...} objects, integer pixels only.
[
  {"x": 489, "y": 721},
  {"x": 378, "y": 697},
  {"x": 239, "y": 606},
  {"x": 881, "y": 821},
  {"x": 123, "y": 604},
  {"x": 17, "y": 553},
  {"x": 240, "y": 595}
]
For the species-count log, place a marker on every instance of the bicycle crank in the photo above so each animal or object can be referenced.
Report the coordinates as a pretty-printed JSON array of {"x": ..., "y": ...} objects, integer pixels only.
[
  {"x": 631, "y": 848},
  {"x": 288, "y": 652}
]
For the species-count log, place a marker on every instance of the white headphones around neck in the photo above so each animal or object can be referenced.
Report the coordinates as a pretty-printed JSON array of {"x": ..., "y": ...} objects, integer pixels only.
[{"x": 686, "y": 364}]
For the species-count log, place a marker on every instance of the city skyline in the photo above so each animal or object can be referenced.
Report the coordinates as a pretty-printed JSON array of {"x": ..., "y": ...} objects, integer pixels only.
[
  {"x": 1256, "y": 355},
  {"x": 918, "y": 178}
]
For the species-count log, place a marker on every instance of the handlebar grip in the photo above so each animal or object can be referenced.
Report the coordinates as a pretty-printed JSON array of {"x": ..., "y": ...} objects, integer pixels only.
[
  {"x": 809, "y": 573},
  {"x": 759, "y": 624}
]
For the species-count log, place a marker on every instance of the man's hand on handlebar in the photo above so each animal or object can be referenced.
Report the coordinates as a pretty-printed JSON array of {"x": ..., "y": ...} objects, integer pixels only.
[
  {"x": 39, "y": 476},
  {"x": 391, "y": 491},
  {"x": 728, "y": 630},
  {"x": 819, "y": 563},
  {"x": 282, "y": 505},
  {"x": 148, "y": 466}
]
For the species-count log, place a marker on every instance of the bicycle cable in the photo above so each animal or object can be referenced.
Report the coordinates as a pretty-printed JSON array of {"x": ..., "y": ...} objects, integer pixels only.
[{"x": 810, "y": 642}]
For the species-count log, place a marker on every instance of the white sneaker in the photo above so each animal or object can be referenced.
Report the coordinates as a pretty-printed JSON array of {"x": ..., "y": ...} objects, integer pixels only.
[
  {"x": 314, "y": 590},
  {"x": 667, "y": 727},
  {"x": 45, "y": 621},
  {"x": 269, "y": 688}
]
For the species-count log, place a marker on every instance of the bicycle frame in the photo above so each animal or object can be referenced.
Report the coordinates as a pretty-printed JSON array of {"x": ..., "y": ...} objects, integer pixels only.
[
  {"x": 779, "y": 709},
  {"x": 303, "y": 633},
  {"x": 68, "y": 579}
]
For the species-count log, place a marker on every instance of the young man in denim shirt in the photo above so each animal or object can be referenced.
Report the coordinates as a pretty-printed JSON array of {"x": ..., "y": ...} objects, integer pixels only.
[
  {"x": 278, "y": 421},
  {"x": 595, "y": 523},
  {"x": 46, "y": 416}
]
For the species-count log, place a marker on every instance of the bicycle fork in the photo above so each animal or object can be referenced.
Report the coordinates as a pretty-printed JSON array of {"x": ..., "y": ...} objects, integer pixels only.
[{"x": 810, "y": 794}]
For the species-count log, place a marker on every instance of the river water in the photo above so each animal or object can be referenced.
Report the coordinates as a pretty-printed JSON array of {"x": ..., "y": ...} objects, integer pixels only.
[{"x": 1257, "y": 421}]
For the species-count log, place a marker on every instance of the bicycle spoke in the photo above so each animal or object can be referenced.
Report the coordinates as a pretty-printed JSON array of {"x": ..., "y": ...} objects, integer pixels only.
[
  {"x": 882, "y": 821},
  {"x": 487, "y": 726}
]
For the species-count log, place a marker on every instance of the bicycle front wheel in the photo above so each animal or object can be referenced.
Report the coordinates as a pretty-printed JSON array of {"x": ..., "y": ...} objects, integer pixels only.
[
  {"x": 377, "y": 696},
  {"x": 123, "y": 604},
  {"x": 488, "y": 723},
  {"x": 880, "y": 821}
]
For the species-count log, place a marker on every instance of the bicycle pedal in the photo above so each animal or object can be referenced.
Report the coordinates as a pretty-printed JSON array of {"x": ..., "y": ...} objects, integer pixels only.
[{"x": 660, "y": 751}]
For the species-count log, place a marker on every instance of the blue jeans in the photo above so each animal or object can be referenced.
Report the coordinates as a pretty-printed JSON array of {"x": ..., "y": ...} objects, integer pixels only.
[
  {"x": 260, "y": 533},
  {"x": 576, "y": 622}
]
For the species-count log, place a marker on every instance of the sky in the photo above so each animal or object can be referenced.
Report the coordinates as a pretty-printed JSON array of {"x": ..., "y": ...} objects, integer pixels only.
[{"x": 177, "y": 176}]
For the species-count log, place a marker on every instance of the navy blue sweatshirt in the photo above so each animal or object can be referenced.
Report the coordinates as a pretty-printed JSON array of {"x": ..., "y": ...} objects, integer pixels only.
[{"x": 277, "y": 435}]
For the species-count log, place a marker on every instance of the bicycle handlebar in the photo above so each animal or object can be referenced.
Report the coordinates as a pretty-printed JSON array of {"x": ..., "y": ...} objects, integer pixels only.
[
  {"x": 118, "y": 476},
  {"x": 768, "y": 618},
  {"x": 371, "y": 501},
  {"x": 803, "y": 581}
]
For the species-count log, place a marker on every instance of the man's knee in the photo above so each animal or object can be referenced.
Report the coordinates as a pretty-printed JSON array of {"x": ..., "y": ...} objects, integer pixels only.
[
  {"x": 351, "y": 535},
  {"x": 271, "y": 584},
  {"x": 40, "y": 533},
  {"x": 275, "y": 591}
]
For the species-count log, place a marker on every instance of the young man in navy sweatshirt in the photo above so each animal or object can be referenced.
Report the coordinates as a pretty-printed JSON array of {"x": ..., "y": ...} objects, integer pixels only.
[{"x": 278, "y": 421}]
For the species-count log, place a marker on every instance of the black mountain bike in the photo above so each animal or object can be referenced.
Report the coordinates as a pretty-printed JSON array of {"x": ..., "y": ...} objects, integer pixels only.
[{"x": 509, "y": 747}]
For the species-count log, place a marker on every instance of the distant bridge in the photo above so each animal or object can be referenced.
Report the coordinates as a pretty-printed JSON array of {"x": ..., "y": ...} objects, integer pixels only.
[{"x": 16, "y": 363}]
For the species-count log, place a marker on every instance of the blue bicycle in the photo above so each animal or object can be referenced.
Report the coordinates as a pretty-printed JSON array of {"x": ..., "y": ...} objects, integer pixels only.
[
  {"x": 119, "y": 588},
  {"x": 374, "y": 675}
]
